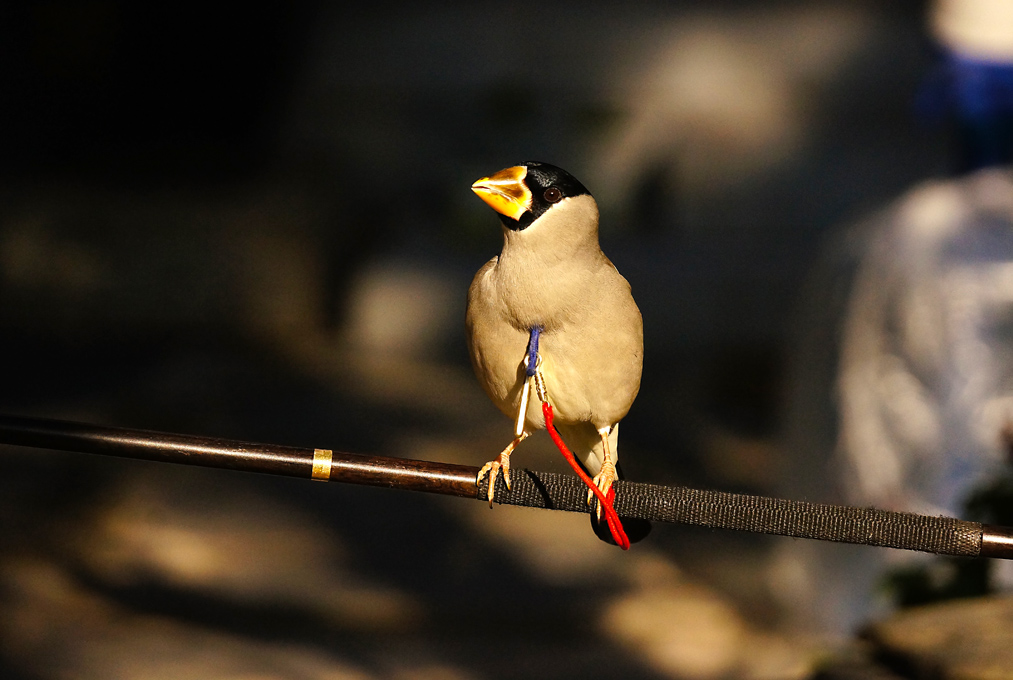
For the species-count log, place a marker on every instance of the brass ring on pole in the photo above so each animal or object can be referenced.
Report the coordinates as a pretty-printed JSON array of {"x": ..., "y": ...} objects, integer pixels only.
[{"x": 322, "y": 464}]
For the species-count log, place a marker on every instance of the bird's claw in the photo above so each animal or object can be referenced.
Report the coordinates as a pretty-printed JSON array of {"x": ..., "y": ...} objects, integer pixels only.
[
  {"x": 603, "y": 480},
  {"x": 493, "y": 467}
]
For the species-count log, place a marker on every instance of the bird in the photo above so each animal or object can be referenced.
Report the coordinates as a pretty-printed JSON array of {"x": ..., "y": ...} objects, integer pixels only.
[{"x": 552, "y": 277}]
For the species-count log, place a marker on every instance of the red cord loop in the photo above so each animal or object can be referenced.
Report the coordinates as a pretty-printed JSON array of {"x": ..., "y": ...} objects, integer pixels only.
[{"x": 615, "y": 526}]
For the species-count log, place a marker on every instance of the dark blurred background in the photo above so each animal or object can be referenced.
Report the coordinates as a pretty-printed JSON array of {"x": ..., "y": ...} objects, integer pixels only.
[{"x": 257, "y": 223}]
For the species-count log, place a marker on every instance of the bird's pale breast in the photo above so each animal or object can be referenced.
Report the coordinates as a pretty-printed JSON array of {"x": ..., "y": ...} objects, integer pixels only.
[{"x": 591, "y": 349}]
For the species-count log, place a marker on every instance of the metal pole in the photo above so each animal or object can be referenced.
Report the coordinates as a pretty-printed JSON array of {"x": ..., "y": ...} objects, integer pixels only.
[
  {"x": 716, "y": 509},
  {"x": 320, "y": 464}
]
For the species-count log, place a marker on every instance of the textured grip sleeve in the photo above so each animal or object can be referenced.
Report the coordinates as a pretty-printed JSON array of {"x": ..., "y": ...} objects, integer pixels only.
[{"x": 721, "y": 510}]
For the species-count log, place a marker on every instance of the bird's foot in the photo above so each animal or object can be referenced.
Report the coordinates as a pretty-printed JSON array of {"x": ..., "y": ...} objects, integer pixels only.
[
  {"x": 603, "y": 480},
  {"x": 502, "y": 462},
  {"x": 493, "y": 467}
]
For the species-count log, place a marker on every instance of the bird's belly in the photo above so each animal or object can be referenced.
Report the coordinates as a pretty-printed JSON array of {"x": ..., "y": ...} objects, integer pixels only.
[
  {"x": 585, "y": 383},
  {"x": 597, "y": 387}
]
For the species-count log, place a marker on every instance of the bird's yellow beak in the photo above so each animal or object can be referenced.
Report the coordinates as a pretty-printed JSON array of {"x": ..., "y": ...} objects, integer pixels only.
[{"x": 505, "y": 192}]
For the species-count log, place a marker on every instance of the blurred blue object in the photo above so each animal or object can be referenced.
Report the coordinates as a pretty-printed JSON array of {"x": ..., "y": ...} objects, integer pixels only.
[
  {"x": 918, "y": 379},
  {"x": 925, "y": 374},
  {"x": 901, "y": 378},
  {"x": 978, "y": 94}
]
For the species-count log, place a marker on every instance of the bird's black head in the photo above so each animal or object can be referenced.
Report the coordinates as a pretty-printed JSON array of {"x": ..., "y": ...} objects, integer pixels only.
[{"x": 523, "y": 193}]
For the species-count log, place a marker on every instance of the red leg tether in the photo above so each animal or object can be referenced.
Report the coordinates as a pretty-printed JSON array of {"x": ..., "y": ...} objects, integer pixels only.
[{"x": 615, "y": 526}]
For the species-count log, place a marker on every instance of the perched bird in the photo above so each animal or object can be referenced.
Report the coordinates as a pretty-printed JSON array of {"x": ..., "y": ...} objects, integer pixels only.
[{"x": 552, "y": 276}]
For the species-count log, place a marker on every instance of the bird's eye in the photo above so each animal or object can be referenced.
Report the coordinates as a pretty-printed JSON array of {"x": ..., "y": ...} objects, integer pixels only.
[{"x": 553, "y": 195}]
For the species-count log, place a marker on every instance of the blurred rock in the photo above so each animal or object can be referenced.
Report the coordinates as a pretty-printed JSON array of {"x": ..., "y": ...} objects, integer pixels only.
[{"x": 965, "y": 639}]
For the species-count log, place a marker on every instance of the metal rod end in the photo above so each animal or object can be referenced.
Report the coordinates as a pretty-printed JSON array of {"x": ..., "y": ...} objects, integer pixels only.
[{"x": 996, "y": 542}]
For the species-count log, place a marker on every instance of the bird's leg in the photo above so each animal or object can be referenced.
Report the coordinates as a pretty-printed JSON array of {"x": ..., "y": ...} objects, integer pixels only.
[
  {"x": 603, "y": 480},
  {"x": 502, "y": 461}
]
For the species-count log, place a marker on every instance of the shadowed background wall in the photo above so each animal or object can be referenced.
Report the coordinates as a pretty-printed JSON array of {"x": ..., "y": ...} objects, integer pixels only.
[{"x": 258, "y": 224}]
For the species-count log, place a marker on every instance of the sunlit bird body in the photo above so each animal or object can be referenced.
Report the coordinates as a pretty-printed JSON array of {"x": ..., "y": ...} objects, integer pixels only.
[{"x": 553, "y": 276}]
